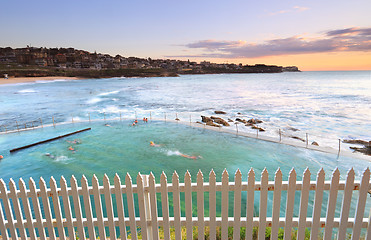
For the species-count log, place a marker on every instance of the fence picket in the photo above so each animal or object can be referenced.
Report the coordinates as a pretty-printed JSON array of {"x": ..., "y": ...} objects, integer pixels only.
[
  {"x": 153, "y": 199},
  {"x": 142, "y": 206},
  {"x": 331, "y": 204},
  {"x": 131, "y": 209},
  {"x": 250, "y": 203},
  {"x": 276, "y": 203},
  {"x": 109, "y": 207},
  {"x": 176, "y": 203},
  {"x": 304, "y": 197},
  {"x": 88, "y": 209},
  {"x": 57, "y": 208},
  {"x": 188, "y": 205},
  {"x": 347, "y": 198},
  {"x": 17, "y": 209},
  {"x": 320, "y": 183},
  {"x": 200, "y": 205},
  {"x": 78, "y": 210},
  {"x": 225, "y": 197},
  {"x": 263, "y": 204},
  {"x": 46, "y": 207},
  {"x": 290, "y": 204},
  {"x": 361, "y": 204},
  {"x": 4, "y": 231},
  {"x": 67, "y": 208},
  {"x": 27, "y": 209},
  {"x": 8, "y": 210},
  {"x": 120, "y": 207},
  {"x": 17, "y": 202},
  {"x": 212, "y": 204},
  {"x": 37, "y": 209},
  {"x": 98, "y": 208},
  {"x": 165, "y": 206}
]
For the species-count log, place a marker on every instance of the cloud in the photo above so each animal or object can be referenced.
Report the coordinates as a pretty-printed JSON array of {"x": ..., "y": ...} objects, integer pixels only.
[
  {"x": 349, "y": 39},
  {"x": 293, "y": 9}
]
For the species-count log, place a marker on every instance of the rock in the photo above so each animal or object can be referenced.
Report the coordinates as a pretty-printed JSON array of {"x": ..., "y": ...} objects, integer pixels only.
[
  {"x": 212, "y": 124},
  {"x": 364, "y": 150},
  {"x": 239, "y": 113},
  {"x": 292, "y": 129},
  {"x": 254, "y": 121},
  {"x": 298, "y": 138},
  {"x": 199, "y": 122},
  {"x": 356, "y": 141},
  {"x": 241, "y": 120},
  {"x": 220, "y": 112},
  {"x": 222, "y": 121},
  {"x": 259, "y": 128},
  {"x": 249, "y": 124},
  {"x": 206, "y": 119},
  {"x": 230, "y": 120},
  {"x": 176, "y": 119},
  {"x": 315, "y": 144}
]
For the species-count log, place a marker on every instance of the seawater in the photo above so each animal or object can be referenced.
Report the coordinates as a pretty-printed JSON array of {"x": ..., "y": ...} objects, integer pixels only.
[{"x": 326, "y": 105}]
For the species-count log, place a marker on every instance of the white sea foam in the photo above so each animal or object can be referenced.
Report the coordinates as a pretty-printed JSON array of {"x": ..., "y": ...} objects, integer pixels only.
[
  {"x": 173, "y": 153},
  {"x": 108, "y": 93},
  {"x": 62, "y": 159},
  {"x": 94, "y": 100},
  {"x": 29, "y": 90}
]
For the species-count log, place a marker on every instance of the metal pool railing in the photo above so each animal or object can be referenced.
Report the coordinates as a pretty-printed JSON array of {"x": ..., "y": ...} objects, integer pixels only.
[{"x": 100, "y": 211}]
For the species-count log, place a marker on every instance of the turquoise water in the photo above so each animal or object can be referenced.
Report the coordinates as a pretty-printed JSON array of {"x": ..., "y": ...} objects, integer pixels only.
[{"x": 123, "y": 148}]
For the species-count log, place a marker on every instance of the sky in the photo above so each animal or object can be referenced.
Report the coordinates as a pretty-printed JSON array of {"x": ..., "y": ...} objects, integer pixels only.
[{"x": 313, "y": 35}]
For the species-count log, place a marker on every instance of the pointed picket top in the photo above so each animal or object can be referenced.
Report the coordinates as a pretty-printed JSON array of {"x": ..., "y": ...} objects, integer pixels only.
[
  {"x": 212, "y": 174},
  {"x": 264, "y": 174},
  {"x": 306, "y": 173},
  {"x": 128, "y": 179},
  {"x": 367, "y": 171},
  {"x": 73, "y": 180},
  {"x": 95, "y": 181},
  {"x": 117, "y": 178},
  {"x": 12, "y": 184},
  {"x": 351, "y": 173},
  {"x": 42, "y": 181},
  {"x": 238, "y": 173},
  {"x": 292, "y": 173},
  {"x": 336, "y": 173},
  {"x": 163, "y": 177},
  {"x": 84, "y": 179},
  {"x": 139, "y": 178},
  {"x": 106, "y": 180},
  {"x": 251, "y": 174},
  {"x": 321, "y": 173},
  {"x": 62, "y": 181},
  {"x": 225, "y": 175},
  {"x": 52, "y": 181},
  {"x": 31, "y": 182},
  {"x": 21, "y": 183},
  {"x": 175, "y": 177},
  {"x": 151, "y": 177},
  {"x": 187, "y": 176},
  {"x": 278, "y": 174},
  {"x": 200, "y": 176}
]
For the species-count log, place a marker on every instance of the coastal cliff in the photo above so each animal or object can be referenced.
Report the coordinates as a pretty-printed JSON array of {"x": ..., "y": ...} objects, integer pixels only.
[{"x": 70, "y": 62}]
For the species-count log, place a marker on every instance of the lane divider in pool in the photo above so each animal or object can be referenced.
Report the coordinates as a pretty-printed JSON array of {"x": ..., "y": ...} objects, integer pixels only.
[{"x": 49, "y": 140}]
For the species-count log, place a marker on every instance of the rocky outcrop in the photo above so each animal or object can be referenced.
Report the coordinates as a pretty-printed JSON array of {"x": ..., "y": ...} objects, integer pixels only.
[
  {"x": 206, "y": 119},
  {"x": 259, "y": 128},
  {"x": 230, "y": 120},
  {"x": 241, "y": 120},
  {"x": 212, "y": 124},
  {"x": 357, "y": 141},
  {"x": 364, "y": 150},
  {"x": 254, "y": 121},
  {"x": 315, "y": 144},
  {"x": 298, "y": 138},
  {"x": 220, "y": 112},
  {"x": 220, "y": 121}
]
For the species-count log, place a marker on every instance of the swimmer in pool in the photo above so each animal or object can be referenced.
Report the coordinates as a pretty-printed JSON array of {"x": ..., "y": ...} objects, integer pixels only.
[
  {"x": 190, "y": 157},
  {"x": 50, "y": 155},
  {"x": 152, "y": 144}
]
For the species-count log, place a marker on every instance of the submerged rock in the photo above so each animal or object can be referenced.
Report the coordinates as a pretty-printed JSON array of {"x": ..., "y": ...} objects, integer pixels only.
[
  {"x": 315, "y": 144},
  {"x": 220, "y": 112},
  {"x": 357, "y": 141},
  {"x": 206, "y": 119},
  {"x": 241, "y": 120}
]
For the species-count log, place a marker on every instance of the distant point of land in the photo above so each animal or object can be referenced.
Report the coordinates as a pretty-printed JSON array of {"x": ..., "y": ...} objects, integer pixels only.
[{"x": 70, "y": 62}]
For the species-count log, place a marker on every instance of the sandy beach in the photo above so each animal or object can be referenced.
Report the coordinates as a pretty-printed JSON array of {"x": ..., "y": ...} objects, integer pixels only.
[{"x": 12, "y": 80}]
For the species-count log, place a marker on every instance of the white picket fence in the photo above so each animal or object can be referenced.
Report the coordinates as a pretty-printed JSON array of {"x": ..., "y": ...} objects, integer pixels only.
[{"x": 66, "y": 212}]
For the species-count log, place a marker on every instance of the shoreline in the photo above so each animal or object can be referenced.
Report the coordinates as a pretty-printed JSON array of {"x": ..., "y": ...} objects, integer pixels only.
[{"x": 14, "y": 80}]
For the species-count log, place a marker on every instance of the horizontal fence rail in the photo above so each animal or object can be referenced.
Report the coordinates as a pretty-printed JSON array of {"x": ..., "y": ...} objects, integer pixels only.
[{"x": 145, "y": 209}]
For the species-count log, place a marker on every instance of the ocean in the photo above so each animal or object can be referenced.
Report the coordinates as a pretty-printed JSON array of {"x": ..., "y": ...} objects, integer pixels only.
[{"x": 325, "y": 105}]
